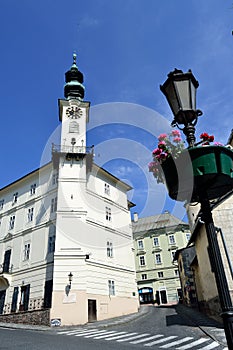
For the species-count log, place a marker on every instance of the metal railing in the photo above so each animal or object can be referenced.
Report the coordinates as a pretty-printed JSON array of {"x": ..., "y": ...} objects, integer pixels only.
[{"x": 72, "y": 149}]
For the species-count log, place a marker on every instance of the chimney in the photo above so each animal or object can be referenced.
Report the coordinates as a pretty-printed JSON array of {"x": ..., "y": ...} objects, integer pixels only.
[{"x": 135, "y": 217}]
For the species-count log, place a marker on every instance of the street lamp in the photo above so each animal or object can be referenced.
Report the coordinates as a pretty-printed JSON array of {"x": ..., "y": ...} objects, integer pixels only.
[
  {"x": 213, "y": 179},
  {"x": 180, "y": 91}
]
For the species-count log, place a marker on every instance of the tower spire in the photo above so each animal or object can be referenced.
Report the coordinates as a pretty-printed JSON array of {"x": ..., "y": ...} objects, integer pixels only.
[{"x": 74, "y": 82}]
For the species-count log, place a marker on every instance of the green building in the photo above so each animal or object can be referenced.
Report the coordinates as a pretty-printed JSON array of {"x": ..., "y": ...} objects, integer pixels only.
[{"x": 156, "y": 239}]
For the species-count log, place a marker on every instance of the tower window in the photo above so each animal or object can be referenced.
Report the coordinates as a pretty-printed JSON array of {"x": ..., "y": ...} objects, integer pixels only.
[
  {"x": 74, "y": 127},
  {"x": 160, "y": 274},
  {"x": 156, "y": 241},
  {"x": 140, "y": 244}
]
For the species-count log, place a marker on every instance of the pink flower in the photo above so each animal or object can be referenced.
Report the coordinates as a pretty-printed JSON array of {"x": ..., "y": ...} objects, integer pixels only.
[
  {"x": 175, "y": 133},
  {"x": 161, "y": 144},
  {"x": 162, "y": 137},
  {"x": 177, "y": 139},
  {"x": 218, "y": 144},
  {"x": 163, "y": 155},
  {"x": 156, "y": 151}
]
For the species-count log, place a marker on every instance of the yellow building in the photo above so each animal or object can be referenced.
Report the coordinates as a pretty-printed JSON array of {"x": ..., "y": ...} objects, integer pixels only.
[{"x": 156, "y": 239}]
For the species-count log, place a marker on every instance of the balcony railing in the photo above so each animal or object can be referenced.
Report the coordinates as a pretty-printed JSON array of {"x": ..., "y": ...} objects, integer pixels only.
[
  {"x": 5, "y": 269},
  {"x": 72, "y": 149},
  {"x": 33, "y": 304}
]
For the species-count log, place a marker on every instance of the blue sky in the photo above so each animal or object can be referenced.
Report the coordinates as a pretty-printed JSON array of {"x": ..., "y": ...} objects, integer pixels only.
[{"x": 125, "y": 49}]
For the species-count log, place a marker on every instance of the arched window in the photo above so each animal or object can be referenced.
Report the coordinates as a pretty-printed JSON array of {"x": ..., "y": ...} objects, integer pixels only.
[{"x": 74, "y": 126}]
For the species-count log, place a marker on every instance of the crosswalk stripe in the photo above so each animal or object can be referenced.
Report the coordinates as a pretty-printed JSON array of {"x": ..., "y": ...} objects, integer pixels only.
[
  {"x": 211, "y": 346},
  {"x": 135, "y": 337},
  {"x": 105, "y": 335},
  {"x": 86, "y": 333},
  {"x": 197, "y": 342},
  {"x": 177, "y": 342},
  {"x": 120, "y": 336},
  {"x": 146, "y": 339},
  {"x": 71, "y": 332},
  {"x": 94, "y": 335},
  {"x": 110, "y": 335},
  {"x": 161, "y": 340}
]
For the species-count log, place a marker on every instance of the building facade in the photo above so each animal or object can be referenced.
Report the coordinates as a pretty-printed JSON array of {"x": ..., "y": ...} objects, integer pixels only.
[
  {"x": 65, "y": 236},
  {"x": 205, "y": 284},
  {"x": 156, "y": 239}
]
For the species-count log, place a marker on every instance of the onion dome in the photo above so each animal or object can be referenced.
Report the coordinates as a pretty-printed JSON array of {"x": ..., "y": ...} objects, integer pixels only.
[{"x": 74, "y": 79}]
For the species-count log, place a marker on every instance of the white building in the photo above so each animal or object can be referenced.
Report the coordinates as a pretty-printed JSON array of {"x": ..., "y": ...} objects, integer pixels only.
[{"x": 66, "y": 243}]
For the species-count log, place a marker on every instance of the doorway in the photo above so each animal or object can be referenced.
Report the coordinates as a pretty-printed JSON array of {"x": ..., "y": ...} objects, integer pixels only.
[
  {"x": 2, "y": 300},
  {"x": 92, "y": 310}
]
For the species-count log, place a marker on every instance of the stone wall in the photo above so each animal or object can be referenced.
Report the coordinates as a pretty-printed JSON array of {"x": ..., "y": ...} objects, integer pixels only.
[{"x": 34, "y": 317}]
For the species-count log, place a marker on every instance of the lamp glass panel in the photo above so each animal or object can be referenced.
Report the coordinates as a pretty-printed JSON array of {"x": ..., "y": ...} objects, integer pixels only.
[
  {"x": 172, "y": 98},
  {"x": 182, "y": 88},
  {"x": 193, "y": 95}
]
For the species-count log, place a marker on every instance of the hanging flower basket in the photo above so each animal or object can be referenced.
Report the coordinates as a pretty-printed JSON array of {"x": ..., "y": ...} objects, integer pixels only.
[{"x": 207, "y": 168}]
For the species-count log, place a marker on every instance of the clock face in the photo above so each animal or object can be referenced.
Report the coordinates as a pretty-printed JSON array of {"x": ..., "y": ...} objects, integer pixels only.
[{"x": 74, "y": 112}]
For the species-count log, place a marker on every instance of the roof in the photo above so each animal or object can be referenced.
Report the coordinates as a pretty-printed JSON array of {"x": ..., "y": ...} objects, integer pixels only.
[{"x": 156, "y": 222}]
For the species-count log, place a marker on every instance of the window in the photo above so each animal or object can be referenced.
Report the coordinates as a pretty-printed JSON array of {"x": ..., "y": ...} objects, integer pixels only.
[
  {"x": 156, "y": 241},
  {"x": 15, "y": 198},
  {"x": 12, "y": 222},
  {"x": 109, "y": 249},
  {"x": 74, "y": 127},
  {"x": 176, "y": 272},
  {"x": 33, "y": 189},
  {"x": 111, "y": 287},
  {"x": 173, "y": 254},
  {"x": 30, "y": 214},
  {"x": 158, "y": 259},
  {"x": 108, "y": 214},
  {"x": 51, "y": 244},
  {"x": 172, "y": 239},
  {"x": 142, "y": 260},
  {"x": 144, "y": 276},
  {"x": 160, "y": 274},
  {"x": 26, "y": 251},
  {"x": 1, "y": 204},
  {"x": 55, "y": 178},
  {"x": 188, "y": 235},
  {"x": 24, "y": 298},
  {"x": 53, "y": 205},
  {"x": 107, "y": 189},
  {"x": 140, "y": 244}
]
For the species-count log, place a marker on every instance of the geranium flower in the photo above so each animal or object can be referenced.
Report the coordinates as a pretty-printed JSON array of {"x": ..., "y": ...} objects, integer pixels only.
[{"x": 162, "y": 137}]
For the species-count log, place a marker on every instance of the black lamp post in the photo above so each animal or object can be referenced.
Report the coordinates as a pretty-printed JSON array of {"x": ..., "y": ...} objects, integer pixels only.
[{"x": 180, "y": 91}]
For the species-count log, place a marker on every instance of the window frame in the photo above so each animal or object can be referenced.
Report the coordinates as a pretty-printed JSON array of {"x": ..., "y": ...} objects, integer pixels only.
[
  {"x": 158, "y": 261},
  {"x": 142, "y": 258}
]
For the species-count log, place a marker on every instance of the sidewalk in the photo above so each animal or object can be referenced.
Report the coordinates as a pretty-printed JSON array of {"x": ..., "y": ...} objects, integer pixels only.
[{"x": 209, "y": 326}]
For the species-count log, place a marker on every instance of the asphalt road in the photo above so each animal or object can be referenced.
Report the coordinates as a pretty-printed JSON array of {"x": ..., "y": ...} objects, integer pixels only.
[{"x": 160, "y": 328}]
